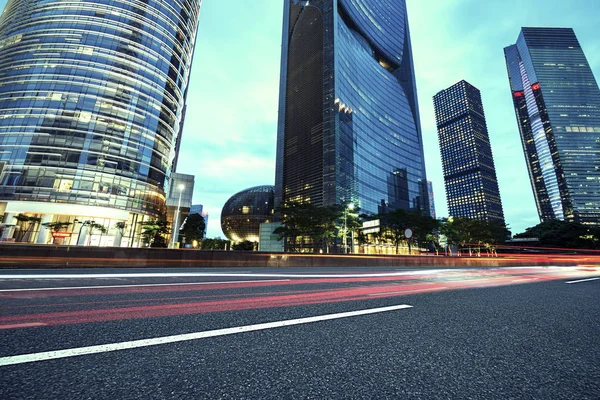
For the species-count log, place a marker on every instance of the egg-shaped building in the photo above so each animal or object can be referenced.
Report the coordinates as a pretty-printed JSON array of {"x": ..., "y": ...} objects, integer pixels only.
[{"x": 245, "y": 211}]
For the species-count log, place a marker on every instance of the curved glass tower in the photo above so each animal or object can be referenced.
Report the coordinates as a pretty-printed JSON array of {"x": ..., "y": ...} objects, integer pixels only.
[
  {"x": 91, "y": 101},
  {"x": 348, "y": 116}
]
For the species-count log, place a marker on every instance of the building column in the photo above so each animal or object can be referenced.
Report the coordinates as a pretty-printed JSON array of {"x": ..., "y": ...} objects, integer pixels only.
[
  {"x": 44, "y": 231},
  {"x": 9, "y": 230},
  {"x": 83, "y": 235}
]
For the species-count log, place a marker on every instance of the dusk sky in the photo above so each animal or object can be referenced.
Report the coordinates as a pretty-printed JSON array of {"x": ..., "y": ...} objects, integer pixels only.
[{"x": 230, "y": 132}]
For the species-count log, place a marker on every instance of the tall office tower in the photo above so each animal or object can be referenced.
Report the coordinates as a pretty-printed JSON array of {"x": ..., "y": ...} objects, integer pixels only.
[
  {"x": 91, "y": 100},
  {"x": 557, "y": 103},
  {"x": 469, "y": 172},
  {"x": 349, "y": 126}
]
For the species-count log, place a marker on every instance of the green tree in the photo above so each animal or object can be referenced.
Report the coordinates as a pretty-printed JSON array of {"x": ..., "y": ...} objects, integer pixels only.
[
  {"x": 396, "y": 222},
  {"x": 121, "y": 227},
  {"x": 306, "y": 226},
  {"x": 246, "y": 245},
  {"x": 422, "y": 227},
  {"x": 193, "y": 228},
  {"x": 56, "y": 227},
  {"x": 27, "y": 225},
  {"x": 474, "y": 234},
  {"x": 214, "y": 244},
  {"x": 564, "y": 234},
  {"x": 155, "y": 232},
  {"x": 94, "y": 228}
]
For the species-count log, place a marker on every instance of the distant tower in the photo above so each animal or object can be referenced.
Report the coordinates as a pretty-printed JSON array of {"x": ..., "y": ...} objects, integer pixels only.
[
  {"x": 199, "y": 209},
  {"x": 469, "y": 172},
  {"x": 431, "y": 198},
  {"x": 557, "y": 102}
]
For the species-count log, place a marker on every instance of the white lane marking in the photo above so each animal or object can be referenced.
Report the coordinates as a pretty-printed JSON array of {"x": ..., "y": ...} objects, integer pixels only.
[
  {"x": 147, "y": 285},
  {"x": 409, "y": 291},
  {"x": 203, "y": 274},
  {"x": 24, "y": 325},
  {"x": 584, "y": 280},
  {"x": 51, "y": 355}
]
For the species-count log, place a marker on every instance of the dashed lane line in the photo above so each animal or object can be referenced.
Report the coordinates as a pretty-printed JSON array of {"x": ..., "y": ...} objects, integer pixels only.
[
  {"x": 584, "y": 280},
  {"x": 80, "y": 351}
]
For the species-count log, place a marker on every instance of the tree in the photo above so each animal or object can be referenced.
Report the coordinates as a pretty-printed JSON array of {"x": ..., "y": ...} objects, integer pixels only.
[
  {"x": 396, "y": 222},
  {"x": 422, "y": 226},
  {"x": 564, "y": 234},
  {"x": 27, "y": 224},
  {"x": 121, "y": 227},
  {"x": 193, "y": 228},
  {"x": 56, "y": 227},
  {"x": 474, "y": 234},
  {"x": 306, "y": 225},
  {"x": 155, "y": 232},
  {"x": 214, "y": 244},
  {"x": 246, "y": 245},
  {"x": 92, "y": 227}
]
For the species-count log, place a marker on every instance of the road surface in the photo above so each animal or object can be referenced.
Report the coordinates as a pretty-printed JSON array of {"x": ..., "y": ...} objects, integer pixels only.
[{"x": 505, "y": 333}]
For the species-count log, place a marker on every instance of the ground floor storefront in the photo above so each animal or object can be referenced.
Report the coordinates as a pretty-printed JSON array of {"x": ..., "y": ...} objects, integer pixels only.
[{"x": 70, "y": 224}]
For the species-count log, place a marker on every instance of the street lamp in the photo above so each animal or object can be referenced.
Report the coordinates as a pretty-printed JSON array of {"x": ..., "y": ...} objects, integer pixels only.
[
  {"x": 175, "y": 225},
  {"x": 348, "y": 207}
]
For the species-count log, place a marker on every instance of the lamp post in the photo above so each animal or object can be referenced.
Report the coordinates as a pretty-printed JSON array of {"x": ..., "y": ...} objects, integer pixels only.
[
  {"x": 175, "y": 225},
  {"x": 348, "y": 207}
]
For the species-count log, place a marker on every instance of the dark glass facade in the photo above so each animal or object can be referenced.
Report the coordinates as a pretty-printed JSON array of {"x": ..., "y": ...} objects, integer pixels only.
[
  {"x": 349, "y": 126},
  {"x": 243, "y": 213},
  {"x": 557, "y": 103},
  {"x": 92, "y": 94},
  {"x": 431, "y": 199},
  {"x": 467, "y": 161}
]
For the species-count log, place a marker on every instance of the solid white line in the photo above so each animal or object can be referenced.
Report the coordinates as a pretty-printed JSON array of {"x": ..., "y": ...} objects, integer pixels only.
[
  {"x": 203, "y": 274},
  {"x": 24, "y": 325},
  {"x": 584, "y": 280},
  {"x": 51, "y": 355},
  {"x": 147, "y": 285}
]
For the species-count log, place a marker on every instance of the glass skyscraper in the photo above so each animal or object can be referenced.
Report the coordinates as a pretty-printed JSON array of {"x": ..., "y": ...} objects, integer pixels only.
[
  {"x": 557, "y": 103},
  {"x": 468, "y": 165},
  {"x": 349, "y": 127},
  {"x": 92, "y": 95}
]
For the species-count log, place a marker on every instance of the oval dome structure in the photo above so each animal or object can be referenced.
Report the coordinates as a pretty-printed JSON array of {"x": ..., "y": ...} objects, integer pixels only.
[{"x": 245, "y": 211}]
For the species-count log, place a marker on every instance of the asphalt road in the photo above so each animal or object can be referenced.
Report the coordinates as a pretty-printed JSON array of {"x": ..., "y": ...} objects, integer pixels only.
[{"x": 510, "y": 333}]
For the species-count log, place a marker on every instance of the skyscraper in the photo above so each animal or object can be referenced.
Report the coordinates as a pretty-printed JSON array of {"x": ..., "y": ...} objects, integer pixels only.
[
  {"x": 557, "y": 103},
  {"x": 349, "y": 127},
  {"x": 91, "y": 100},
  {"x": 431, "y": 199},
  {"x": 469, "y": 171}
]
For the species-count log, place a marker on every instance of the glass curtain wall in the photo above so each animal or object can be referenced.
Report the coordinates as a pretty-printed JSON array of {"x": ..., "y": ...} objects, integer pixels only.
[
  {"x": 91, "y": 99},
  {"x": 349, "y": 126},
  {"x": 557, "y": 103}
]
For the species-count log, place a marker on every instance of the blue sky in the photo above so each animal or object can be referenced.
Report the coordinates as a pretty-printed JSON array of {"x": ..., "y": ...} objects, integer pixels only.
[
  {"x": 230, "y": 134},
  {"x": 230, "y": 131}
]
